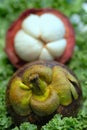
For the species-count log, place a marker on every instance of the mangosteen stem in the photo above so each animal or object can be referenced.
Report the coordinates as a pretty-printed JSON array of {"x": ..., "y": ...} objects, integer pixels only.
[{"x": 38, "y": 86}]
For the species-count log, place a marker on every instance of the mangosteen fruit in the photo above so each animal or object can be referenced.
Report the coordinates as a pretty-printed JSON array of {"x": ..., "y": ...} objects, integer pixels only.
[
  {"x": 40, "y": 34},
  {"x": 41, "y": 89}
]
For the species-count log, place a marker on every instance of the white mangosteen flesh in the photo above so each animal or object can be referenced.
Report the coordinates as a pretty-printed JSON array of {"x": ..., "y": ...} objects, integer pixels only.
[{"x": 41, "y": 37}]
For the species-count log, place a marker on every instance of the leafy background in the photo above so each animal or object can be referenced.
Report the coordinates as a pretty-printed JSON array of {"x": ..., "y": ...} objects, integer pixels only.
[{"x": 77, "y": 13}]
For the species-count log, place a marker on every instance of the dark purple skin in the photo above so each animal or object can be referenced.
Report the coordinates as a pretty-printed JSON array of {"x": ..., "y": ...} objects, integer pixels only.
[{"x": 70, "y": 110}]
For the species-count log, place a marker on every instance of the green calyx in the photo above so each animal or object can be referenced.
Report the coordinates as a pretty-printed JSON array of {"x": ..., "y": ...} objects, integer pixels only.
[
  {"x": 41, "y": 90},
  {"x": 45, "y": 105},
  {"x": 44, "y": 72},
  {"x": 61, "y": 82},
  {"x": 19, "y": 96}
]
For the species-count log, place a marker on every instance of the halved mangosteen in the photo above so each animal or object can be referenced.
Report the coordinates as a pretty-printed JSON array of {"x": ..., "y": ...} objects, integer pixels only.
[
  {"x": 40, "y": 34},
  {"x": 41, "y": 89}
]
